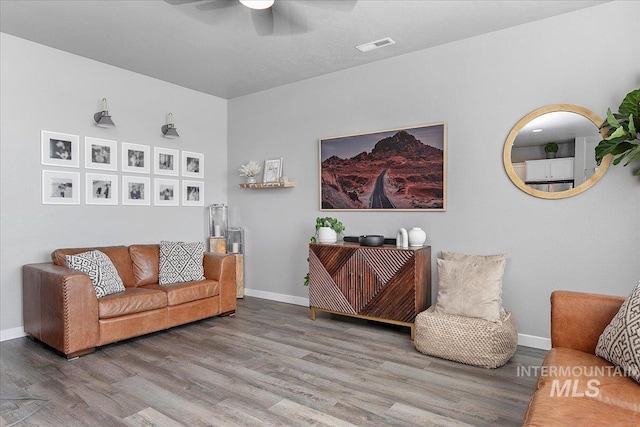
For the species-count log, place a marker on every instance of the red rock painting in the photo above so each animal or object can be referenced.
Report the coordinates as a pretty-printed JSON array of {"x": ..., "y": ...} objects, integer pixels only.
[{"x": 399, "y": 169}]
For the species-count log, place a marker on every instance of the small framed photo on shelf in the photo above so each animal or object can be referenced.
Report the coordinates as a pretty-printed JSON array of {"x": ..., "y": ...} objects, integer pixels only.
[
  {"x": 136, "y": 190},
  {"x": 60, "y": 149},
  {"x": 192, "y": 165},
  {"x": 166, "y": 192},
  {"x": 272, "y": 170},
  {"x": 102, "y": 189},
  {"x": 192, "y": 193},
  {"x": 100, "y": 154},
  {"x": 136, "y": 158},
  {"x": 60, "y": 188},
  {"x": 165, "y": 161}
]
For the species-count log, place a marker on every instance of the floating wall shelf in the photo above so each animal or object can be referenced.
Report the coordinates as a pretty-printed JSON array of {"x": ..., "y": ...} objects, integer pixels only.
[{"x": 269, "y": 185}]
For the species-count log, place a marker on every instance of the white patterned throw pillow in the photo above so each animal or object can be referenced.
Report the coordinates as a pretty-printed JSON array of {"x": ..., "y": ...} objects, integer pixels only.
[
  {"x": 620, "y": 341},
  {"x": 181, "y": 262},
  {"x": 100, "y": 269}
]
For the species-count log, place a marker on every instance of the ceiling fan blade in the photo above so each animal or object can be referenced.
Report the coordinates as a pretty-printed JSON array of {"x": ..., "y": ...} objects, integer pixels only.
[
  {"x": 288, "y": 20},
  {"x": 217, "y": 4},
  {"x": 179, "y": 2},
  {"x": 263, "y": 21}
]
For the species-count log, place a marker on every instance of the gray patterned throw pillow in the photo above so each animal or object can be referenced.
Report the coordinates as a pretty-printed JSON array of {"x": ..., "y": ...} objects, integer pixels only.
[
  {"x": 181, "y": 262},
  {"x": 100, "y": 269},
  {"x": 620, "y": 341}
]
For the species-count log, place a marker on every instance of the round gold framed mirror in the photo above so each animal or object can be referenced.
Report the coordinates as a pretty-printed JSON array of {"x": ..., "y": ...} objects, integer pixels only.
[{"x": 567, "y": 166}]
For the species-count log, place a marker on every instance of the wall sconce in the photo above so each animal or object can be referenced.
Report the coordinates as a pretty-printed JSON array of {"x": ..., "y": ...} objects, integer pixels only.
[
  {"x": 169, "y": 130},
  {"x": 102, "y": 118}
]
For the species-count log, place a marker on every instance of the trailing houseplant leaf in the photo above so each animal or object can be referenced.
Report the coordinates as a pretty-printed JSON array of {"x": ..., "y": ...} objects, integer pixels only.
[{"x": 621, "y": 132}]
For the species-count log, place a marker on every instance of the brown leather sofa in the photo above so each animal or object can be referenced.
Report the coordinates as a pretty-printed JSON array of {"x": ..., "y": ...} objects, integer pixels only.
[
  {"x": 575, "y": 386},
  {"x": 60, "y": 307}
]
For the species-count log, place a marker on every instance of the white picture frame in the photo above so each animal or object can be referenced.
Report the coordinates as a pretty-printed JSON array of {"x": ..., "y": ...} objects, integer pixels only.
[
  {"x": 100, "y": 154},
  {"x": 59, "y": 149},
  {"x": 136, "y": 158},
  {"x": 101, "y": 189},
  {"x": 60, "y": 188},
  {"x": 272, "y": 170},
  {"x": 136, "y": 190},
  {"x": 165, "y": 161},
  {"x": 192, "y": 193},
  {"x": 166, "y": 192},
  {"x": 192, "y": 165}
]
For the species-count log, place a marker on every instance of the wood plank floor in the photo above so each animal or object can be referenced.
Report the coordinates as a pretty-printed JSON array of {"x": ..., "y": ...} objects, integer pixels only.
[{"x": 269, "y": 365}]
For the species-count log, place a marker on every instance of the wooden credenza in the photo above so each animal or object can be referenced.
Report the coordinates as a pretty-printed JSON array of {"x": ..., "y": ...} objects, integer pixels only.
[{"x": 384, "y": 283}]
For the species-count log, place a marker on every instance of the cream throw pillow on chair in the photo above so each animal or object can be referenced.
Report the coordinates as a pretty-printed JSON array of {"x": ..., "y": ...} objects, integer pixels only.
[{"x": 471, "y": 289}]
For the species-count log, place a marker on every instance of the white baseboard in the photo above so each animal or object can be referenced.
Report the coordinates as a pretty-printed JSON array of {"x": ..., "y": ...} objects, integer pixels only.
[
  {"x": 523, "y": 339},
  {"x": 9, "y": 334},
  {"x": 534, "y": 341},
  {"x": 290, "y": 299}
]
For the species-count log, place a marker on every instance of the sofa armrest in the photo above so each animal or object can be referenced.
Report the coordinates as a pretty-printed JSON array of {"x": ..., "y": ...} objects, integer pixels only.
[
  {"x": 222, "y": 267},
  {"x": 60, "y": 308},
  {"x": 578, "y": 319}
]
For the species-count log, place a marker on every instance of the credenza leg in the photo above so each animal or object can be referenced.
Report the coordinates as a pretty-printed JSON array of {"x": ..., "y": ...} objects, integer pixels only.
[{"x": 313, "y": 313}]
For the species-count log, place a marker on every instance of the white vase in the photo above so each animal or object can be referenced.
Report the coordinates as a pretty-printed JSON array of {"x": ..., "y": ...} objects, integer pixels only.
[
  {"x": 327, "y": 235},
  {"x": 417, "y": 236},
  {"x": 251, "y": 180},
  {"x": 402, "y": 239}
]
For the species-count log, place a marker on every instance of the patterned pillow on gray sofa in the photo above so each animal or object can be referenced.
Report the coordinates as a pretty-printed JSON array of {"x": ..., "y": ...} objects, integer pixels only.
[
  {"x": 100, "y": 269},
  {"x": 620, "y": 341},
  {"x": 181, "y": 262}
]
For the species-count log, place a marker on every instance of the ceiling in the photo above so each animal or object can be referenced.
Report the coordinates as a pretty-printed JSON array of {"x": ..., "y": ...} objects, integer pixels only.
[
  {"x": 224, "y": 49},
  {"x": 556, "y": 126}
]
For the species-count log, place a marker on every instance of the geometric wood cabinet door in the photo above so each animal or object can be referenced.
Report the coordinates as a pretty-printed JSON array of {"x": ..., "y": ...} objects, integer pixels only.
[{"x": 382, "y": 283}]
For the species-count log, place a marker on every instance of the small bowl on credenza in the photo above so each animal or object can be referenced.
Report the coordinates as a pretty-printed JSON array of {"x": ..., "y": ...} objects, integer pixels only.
[{"x": 371, "y": 240}]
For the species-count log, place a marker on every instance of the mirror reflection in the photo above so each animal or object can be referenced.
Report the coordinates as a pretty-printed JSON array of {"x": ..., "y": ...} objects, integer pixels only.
[{"x": 550, "y": 153}]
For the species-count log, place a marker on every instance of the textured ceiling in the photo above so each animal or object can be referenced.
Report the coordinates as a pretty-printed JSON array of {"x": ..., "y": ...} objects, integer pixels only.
[{"x": 222, "y": 48}]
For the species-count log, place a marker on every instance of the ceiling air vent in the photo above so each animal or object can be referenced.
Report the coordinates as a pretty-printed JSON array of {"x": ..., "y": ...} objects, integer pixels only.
[{"x": 375, "y": 45}]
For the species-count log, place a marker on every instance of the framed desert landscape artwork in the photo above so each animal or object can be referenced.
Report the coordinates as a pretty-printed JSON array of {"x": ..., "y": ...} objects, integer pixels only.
[{"x": 395, "y": 169}]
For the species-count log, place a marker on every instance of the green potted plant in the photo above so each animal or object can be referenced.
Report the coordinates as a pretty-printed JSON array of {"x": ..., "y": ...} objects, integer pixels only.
[
  {"x": 621, "y": 132},
  {"x": 327, "y": 231},
  {"x": 551, "y": 148}
]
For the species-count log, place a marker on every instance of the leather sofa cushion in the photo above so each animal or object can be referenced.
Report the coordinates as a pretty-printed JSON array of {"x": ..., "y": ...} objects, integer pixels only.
[
  {"x": 547, "y": 411},
  {"x": 146, "y": 263},
  {"x": 181, "y": 293},
  {"x": 614, "y": 388},
  {"x": 119, "y": 256},
  {"x": 132, "y": 300}
]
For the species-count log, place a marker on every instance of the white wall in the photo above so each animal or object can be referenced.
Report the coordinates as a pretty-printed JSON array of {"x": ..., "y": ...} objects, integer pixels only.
[
  {"x": 481, "y": 87},
  {"x": 47, "y": 89}
]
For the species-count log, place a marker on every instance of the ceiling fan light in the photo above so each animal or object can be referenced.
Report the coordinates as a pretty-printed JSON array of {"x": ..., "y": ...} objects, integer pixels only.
[{"x": 257, "y": 4}]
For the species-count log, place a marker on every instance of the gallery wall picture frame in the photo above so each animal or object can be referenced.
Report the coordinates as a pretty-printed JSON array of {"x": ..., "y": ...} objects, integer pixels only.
[
  {"x": 60, "y": 149},
  {"x": 136, "y": 190},
  {"x": 402, "y": 169},
  {"x": 192, "y": 193},
  {"x": 165, "y": 161},
  {"x": 60, "y": 188},
  {"x": 272, "y": 170},
  {"x": 166, "y": 192},
  {"x": 101, "y": 189},
  {"x": 192, "y": 164},
  {"x": 136, "y": 158},
  {"x": 100, "y": 154}
]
